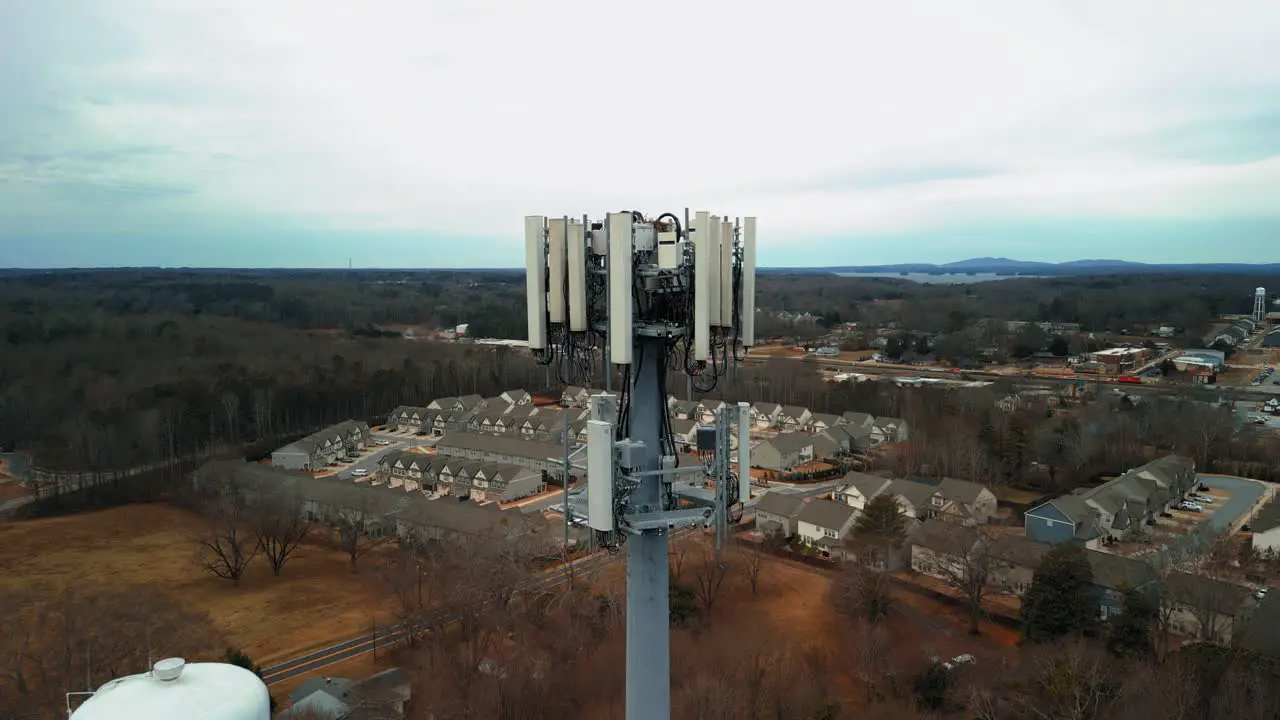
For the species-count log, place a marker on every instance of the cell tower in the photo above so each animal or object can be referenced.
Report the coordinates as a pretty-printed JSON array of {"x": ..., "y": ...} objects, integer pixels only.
[
  {"x": 1259, "y": 305},
  {"x": 658, "y": 294}
]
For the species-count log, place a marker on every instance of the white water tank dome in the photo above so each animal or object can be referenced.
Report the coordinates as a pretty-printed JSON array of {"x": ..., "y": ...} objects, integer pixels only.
[{"x": 177, "y": 690}]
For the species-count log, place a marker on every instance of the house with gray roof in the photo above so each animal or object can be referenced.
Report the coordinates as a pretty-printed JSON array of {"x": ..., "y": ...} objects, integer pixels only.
[
  {"x": 915, "y": 498},
  {"x": 517, "y": 397},
  {"x": 859, "y": 419},
  {"x": 1266, "y": 527},
  {"x": 793, "y": 418},
  {"x": 964, "y": 502},
  {"x": 764, "y": 415},
  {"x": 825, "y": 524},
  {"x": 822, "y": 421},
  {"x": 1116, "y": 575},
  {"x": 317, "y": 450},
  {"x": 1205, "y": 608},
  {"x": 824, "y": 447},
  {"x": 889, "y": 429},
  {"x": 1119, "y": 508},
  {"x": 383, "y": 695},
  {"x": 545, "y": 457},
  {"x": 783, "y": 453},
  {"x": 777, "y": 512},
  {"x": 406, "y": 418},
  {"x": 857, "y": 489}
]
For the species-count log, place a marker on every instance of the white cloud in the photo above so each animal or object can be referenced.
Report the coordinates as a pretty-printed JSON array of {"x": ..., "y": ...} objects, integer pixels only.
[{"x": 460, "y": 117}]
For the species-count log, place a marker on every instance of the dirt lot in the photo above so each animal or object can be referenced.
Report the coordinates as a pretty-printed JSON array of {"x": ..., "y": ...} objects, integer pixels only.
[
  {"x": 10, "y": 489},
  {"x": 793, "y": 603},
  {"x": 316, "y": 602}
]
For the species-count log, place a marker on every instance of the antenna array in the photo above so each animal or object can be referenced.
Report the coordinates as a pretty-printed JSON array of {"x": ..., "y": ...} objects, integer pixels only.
[{"x": 657, "y": 294}]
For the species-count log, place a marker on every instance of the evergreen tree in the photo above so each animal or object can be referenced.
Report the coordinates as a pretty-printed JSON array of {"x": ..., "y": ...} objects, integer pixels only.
[
  {"x": 1061, "y": 599},
  {"x": 1129, "y": 631},
  {"x": 239, "y": 658},
  {"x": 880, "y": 528}
]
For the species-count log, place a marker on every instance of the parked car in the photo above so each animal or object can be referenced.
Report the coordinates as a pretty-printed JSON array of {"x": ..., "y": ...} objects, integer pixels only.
[{"x": 359, "y": 472}]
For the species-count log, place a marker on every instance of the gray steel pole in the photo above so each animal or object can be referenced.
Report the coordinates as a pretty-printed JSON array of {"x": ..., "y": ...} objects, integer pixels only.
[
  {"x": 648, "y": 609},
  {"x": 564, "y": 481}
]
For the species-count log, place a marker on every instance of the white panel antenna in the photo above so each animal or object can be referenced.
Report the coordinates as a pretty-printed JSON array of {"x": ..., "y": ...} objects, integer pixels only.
[
  {"x": 536, "y": 279},
  {"x": 555, "y": 270},
  {"x": 744, "y": 452},
  {"x": 669, "y": 250},
  {"x": 701, "y": 285},
  {"x": 600, "y": 475},
  {"x": 577, "y": 255},
  {"x": 748, "y": 305},
  {"x": 620, "y": 285},
  {"x": 726, "y": 273},
  {"x": 713, "y": 273}
]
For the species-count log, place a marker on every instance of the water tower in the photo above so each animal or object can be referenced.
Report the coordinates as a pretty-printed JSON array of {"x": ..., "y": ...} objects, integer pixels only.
[
  {"x": 1259, "y": 305},
  {"x": 176, "y": 690}
]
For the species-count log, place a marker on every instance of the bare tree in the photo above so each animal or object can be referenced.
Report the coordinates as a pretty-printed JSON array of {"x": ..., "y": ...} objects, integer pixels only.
[
  {"x": 1074, "y": 681},
  {"x": 676, "y": 558},
  {"x": 750, "y": 558},
  {"x": 279, "y": 527},
  {"x": 357, "y": 531},
  {"x": 226, "y": 546},
  {"x": 1208, "y": 595},
  {"x": 966, "y": 558},
  {"x": 709, "y": 573},
  {"x": 862, "y": 594}
]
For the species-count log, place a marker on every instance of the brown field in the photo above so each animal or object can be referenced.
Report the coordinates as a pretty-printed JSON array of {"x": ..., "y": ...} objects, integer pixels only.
[
  {"x": 10, "y": 489},
  {"x": 793, "y": 605},
  {"x": 316, "y": 602}
]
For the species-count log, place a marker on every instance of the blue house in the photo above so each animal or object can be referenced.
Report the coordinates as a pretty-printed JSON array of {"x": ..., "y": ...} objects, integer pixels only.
[
  {"x": 1116, "y": 575},
  {"x": 1063, "y": 519}
]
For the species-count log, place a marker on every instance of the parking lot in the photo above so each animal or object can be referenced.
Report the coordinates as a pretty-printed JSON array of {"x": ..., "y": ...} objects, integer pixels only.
[{"x": 1180, "y": 522}]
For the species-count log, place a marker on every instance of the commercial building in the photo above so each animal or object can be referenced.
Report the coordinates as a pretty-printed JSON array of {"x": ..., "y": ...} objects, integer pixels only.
[{"x": 1120, "y": 360}]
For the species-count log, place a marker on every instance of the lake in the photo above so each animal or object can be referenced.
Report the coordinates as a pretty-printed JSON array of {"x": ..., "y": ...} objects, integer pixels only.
[{"x": 927, "y": 278}]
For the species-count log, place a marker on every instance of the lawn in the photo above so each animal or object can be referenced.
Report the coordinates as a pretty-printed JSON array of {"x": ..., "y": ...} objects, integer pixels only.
[{"x": 317, "y": 601}]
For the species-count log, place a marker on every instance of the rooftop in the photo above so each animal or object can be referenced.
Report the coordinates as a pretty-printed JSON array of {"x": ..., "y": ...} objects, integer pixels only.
[{"x": 826, "y": 514}]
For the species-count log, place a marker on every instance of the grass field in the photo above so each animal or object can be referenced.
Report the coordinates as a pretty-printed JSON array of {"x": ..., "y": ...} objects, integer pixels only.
[{"x": 316, "y": 601}]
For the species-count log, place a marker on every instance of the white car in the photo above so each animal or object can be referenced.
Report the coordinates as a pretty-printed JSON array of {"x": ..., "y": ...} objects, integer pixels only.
[
  {"x": 359, "y": 473},
  {"x": 1192, "y": 507},
  {"x": 383, "y": 442}
]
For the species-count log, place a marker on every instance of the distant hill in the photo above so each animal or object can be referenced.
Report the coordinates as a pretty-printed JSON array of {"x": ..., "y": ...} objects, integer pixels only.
[{"x": 1012, "y": 268}]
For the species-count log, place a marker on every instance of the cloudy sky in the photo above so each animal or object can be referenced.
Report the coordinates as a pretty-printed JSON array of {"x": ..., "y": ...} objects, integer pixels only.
[{"x": 418, "y": 133}]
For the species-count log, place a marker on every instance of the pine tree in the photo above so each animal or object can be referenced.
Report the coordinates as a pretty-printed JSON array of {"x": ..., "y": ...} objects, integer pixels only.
[
  {"x": 881, "y": 527},
  {"x": 1129, "y": 631},
  {"x": 1061, "y": 598}
]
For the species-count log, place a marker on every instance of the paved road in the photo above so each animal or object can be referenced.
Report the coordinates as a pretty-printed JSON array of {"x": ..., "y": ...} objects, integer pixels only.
[
  {"x": 1245, "y": 495},
  {"x": 1044, "y": 381},
  {"x": 369, "y": 461}
]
